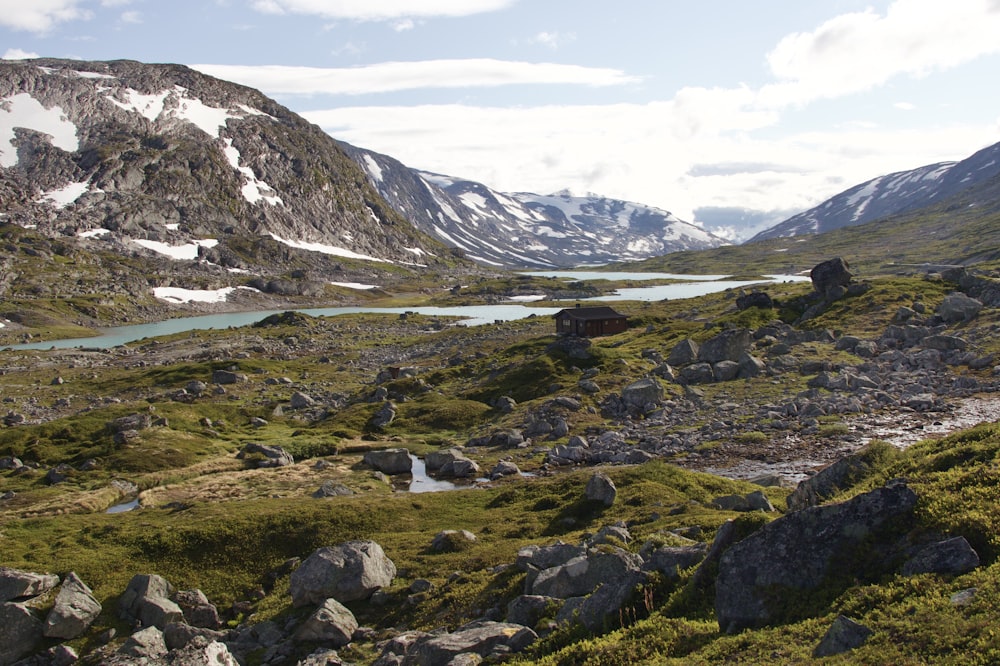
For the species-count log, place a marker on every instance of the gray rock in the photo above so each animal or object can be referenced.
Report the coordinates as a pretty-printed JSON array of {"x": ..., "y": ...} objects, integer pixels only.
[
  {"x": 22, "y": 632},
  {"x": 618, "y": 532},
  {"x": 731, "y": 503},
  {"x": 481, "y": 638},
  {"x": 957, "y": 307},
  {"x": 347, "y": 572},
  {"x": 546, "y": 557},
  {"x": 384, "y": 416},
  {"x": 683, "y": 353},
  {"x": 224, "y": 377},
  {"x": 265, "y": 456},
  {"x": 332, "y": 489},
  {"x": 148, "y": 643},
  {"x": 588, "y": 386},
  {"x": 177, "y": 635},
  {"x": 530, "y": 609},
  {"x": 505, "y": 404},
  {"x": 831, "y": 277},
  {"x": 598, "y": 608},
  {"x": 332, "y": 623},
  {"x": 843, "y": 635},
  {"x": 795, "y": 554},
  {"x": 945, "y": 342},
  {"x": 726, "y": 346},
  {"x": 952, "y": 556},
  {"x": 758, "y": 501},
  {"x": 750, "y": 366},
  {"x": 698, "y": 373},
  {"x": 511, "y": 439},
  {"x": 300, "y": 400},
  {"x": 198, "y": 610},
  {"x": 75, "y": 609},
  {"x": 390, "y": 461},
  {"x": 581, "y": 575},
  {"x": 447, "y": 541},
  {"x": 600, "y": 488},
  {"x": 828, "y": 482},
  {"x": 725, "y": 371},
  {"x": 435, "y": 460},
  {"x": 504, "y": 468},
  {"x": 671, "y": 560},
  {"x": 756, "y": 299},
  {"x": 203, "y": 651},
  {"x": 461, "y": 468},
  {"x": 147, "y": 600},
  {"x": 641, "y": 393},
  {"x": 17, "y": 584}
]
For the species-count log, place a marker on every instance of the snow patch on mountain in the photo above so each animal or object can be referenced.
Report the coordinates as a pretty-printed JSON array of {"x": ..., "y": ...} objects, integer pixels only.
[{"x": 23, "y": 110}]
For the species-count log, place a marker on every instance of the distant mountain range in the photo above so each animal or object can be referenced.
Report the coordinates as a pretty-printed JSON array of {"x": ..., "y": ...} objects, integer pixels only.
[
  {"x": 523, "y": 230},
  {"x": 163, "y": 163},
  {"x": 892, "y": 194}
]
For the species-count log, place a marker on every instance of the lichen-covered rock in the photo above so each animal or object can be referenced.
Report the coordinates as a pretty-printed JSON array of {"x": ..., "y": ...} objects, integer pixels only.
[{"x": 795, "y": 554}]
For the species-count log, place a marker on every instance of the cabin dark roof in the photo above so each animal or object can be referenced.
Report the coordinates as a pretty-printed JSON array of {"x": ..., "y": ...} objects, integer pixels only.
[{"x": 591, "y": 313}]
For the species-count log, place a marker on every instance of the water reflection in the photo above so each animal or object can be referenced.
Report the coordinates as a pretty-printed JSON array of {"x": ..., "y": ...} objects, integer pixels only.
[{"x": 422, "y": 482}]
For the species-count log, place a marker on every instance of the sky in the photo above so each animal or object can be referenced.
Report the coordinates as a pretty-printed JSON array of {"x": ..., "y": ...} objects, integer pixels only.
[{"x": 732, "y": 114}]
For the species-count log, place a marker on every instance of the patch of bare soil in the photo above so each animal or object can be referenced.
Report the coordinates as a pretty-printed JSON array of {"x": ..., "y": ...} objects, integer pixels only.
[{"x": 795, "y": 458}]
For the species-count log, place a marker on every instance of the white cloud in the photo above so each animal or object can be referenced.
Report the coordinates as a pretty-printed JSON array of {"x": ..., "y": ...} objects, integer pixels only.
[
  {"x": 131, "y": 17},
  {"x": 380, "y": 10},
  {"x": 115, "y": 3},
  {"x": 396, "y": 76},
  {"x": 39, "y": 15},
  {"x": 553, "y": 40},
  {"x": 18, "y": 54},
  {"x": 403, "y": 25},
  {"x": 905, "y": 106},
  {"x": 860, "y": 51}
]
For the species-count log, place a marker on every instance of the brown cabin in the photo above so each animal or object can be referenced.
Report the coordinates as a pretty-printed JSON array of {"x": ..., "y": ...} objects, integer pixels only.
[{"x": 590, "y": 322}]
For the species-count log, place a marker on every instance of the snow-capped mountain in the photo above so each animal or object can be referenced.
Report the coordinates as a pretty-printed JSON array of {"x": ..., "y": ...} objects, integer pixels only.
[
  {"x": 521, "y": 230},
  {"x": 891, "y": 194},
  {"x": 163, "y": 161}
]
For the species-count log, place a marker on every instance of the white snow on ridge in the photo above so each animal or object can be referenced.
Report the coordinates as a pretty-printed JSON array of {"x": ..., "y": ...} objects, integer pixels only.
[
  {"x": 254, "y": 189},
  {"x": 93, "y": 233},
  {"x": 64, "y": 196},
  {"x": 326, "y": 249},
  {"x": 187, "y": 251},
  {"x": 354, "y": 285},
  {"x": 23, "y": 110},
  {"x": 147, "y": 106},
  {"x": 374, "y": 170},
  {"x": 179, "y": 295}
]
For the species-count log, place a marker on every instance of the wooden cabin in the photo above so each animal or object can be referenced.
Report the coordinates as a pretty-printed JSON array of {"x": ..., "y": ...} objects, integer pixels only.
[{"x": 590, "y": 322}]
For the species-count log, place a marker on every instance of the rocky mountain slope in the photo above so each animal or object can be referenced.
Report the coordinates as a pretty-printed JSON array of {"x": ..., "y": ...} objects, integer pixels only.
[
  {"x": 891, "y": 194},
  {"x": 524, "y": 230},
  {"x": 165, "y": 162}
]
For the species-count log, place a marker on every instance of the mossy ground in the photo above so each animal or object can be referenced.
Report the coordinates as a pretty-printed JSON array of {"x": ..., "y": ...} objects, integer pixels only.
[{"x": 210, "y": 522}]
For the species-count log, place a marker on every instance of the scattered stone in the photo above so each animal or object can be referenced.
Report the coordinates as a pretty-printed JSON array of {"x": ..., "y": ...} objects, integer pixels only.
[
  {"x": 22, "y": 632},
  {"x": 756, "y": 299},
  {"x": 198, "y": 610},
  {"x": 600, "y": 488},
  {"x": 728, "y": 345},
  {"x": 843, "y": 635},
  {"x": 964, "y": 597},
  {"x": 332, "y": 488},
  {"x": 952, "y": 556},
  {"x": 224, "y": 377},
  {"x": 831, "y": 278},
  {"x": 384, "y": 416},
  {"x": 448, "y": 541},
  {"x": 300, "y": 400},
  {"x": 482, "y": 638},
  {"x": 957, "y": 307},
  {"x": 683, "y": 353},
  {"x": 504, "y": 468},
  {"x": 146, "y": 643},
  {"x": 390, "y": 461},
  {"x": 265, "y": 456},
  {"x": 146, "y": 600}
]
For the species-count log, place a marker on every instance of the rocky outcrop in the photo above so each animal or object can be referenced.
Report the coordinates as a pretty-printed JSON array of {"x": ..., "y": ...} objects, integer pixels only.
[
  {"x": 146, "y": 601},
  {"x": 22, "y": 631},
  {"x": 760, "y": 577},
  {"x": 75, "y": 609},
  {"x": 16, "y": 584},
  {"x": 481, "y": 638}
]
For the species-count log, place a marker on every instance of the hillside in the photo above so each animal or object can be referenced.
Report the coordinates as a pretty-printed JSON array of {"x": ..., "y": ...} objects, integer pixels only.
[
  {"x": 608, "y": 493},
  {"x": 961, "y": 230},
  {"x": 129, "y": 176},
  {"x": 894, "y": 194}
]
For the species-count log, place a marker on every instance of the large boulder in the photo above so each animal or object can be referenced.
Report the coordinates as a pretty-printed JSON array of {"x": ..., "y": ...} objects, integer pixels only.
[
  {"x": 262, "y": 455},
  {"x": 390, "y": 461},
  {"x": 769, "y": 571},
  {"x": 830, "y": 278},
  {"x": 17, "y": 584},
  {"x": 332, "y": 623},
  {"x": 581, "y": 575},
  {"x": 147, "y": 600},
  {"x": 728, "y": 345},
  {"x": 145, "y": 644},
  {"x": 347, "y": 572},
  {"x": 683, "y": 353},
  {"x": 640, "y": 394},
  {"x": 74, "y": 611},
  {"x": 600, "y": 488},
  {"x": 957, "y": 307},
  {"x": 952, "y": 556}
]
